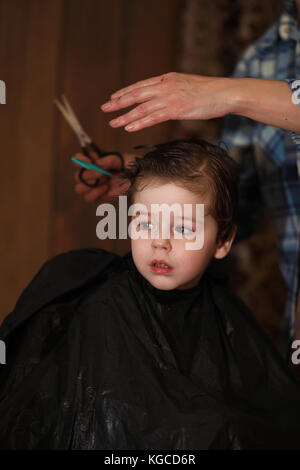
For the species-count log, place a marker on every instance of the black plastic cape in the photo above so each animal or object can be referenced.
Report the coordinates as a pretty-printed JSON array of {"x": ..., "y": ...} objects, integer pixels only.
[{"x": 98, "y": 358}]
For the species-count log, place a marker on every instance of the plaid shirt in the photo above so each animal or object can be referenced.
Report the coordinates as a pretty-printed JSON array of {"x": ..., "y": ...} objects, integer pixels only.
[{"x": 269, "y": 157}]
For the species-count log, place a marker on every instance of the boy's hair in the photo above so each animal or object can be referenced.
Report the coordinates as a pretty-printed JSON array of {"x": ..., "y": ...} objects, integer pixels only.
[{"x": 196, "y": 165}]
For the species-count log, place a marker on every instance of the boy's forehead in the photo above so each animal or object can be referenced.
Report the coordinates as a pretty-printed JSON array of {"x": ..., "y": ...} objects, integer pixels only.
[{"x": 168, "y": 192}]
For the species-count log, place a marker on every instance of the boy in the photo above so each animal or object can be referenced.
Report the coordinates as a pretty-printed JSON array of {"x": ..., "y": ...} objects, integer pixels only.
[{"x": 149, "y": 351}]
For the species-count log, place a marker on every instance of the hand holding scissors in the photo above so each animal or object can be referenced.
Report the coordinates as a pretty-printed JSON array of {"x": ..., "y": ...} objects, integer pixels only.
[{"x": 88, "y": 147}]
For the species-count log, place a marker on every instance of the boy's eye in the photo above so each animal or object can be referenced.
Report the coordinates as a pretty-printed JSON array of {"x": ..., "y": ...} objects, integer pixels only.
[
  {"x": 183, "y": 230},
  {"x": 146, "y": 225}
]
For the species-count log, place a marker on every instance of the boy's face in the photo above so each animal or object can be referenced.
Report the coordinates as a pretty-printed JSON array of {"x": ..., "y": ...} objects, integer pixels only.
[{"x": 186, "y": 266}]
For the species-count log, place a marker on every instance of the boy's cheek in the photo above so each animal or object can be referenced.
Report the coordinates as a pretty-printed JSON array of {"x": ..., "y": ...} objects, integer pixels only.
[{"x": 197, "y": 260}]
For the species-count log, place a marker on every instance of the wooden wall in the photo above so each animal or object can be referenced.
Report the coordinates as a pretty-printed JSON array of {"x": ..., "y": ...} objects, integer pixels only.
[{"x": 85, "y": 49}]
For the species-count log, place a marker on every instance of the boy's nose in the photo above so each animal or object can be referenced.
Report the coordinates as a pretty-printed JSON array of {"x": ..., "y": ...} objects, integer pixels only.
[{"x": 161, "y": 243}]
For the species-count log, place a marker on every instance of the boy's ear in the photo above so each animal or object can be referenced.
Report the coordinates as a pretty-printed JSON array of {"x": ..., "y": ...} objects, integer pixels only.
[{"x": 223, "y": 248}]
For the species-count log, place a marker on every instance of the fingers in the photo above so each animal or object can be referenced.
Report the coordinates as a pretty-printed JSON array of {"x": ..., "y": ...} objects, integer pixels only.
[
  {"x": 81, "y": 157},
  {"x": 150, "y": 120},
  {"x": 119, "y": 188},
  {"x": 139, "y": 112},
  {"x": 103, "y": 191},
  {"x": 146, "y": 89},
  {"x": 89, "y": 176},
  {"x": 135, "y": 96},
  {"x": 91, "y": 194},
  {"x": 81, "y": 188},
  {"x": 140, "y": 84},
  {"x": 94, "y": 156},
  {"x": 111, "y": 162}
]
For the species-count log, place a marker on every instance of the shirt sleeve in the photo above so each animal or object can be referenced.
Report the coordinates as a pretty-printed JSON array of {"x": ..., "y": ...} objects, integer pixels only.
[
  {"x": 237, "y": 134},
  {"x": 295, "y": 88},
  {"x": 237, "y": 138}
]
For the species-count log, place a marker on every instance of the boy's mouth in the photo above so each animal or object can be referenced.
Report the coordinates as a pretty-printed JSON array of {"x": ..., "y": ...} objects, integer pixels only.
[{"x": 160, "y": 266}]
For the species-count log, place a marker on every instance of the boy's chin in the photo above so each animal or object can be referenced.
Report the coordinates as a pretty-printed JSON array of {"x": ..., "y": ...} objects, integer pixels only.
[{"x": 163, "y": 284}]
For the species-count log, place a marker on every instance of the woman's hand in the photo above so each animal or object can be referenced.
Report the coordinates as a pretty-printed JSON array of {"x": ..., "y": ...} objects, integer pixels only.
[
  {"x": 170, "y": 96},
  {"x": 108, "y": 188},
  {"x": 183, "y": 96}
]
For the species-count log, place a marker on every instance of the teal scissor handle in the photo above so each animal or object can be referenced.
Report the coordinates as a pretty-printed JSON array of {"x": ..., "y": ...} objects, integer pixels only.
[{"x": 91, "y": 166}]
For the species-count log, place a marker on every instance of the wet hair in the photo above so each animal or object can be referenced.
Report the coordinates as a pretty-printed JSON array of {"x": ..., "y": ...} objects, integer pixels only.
[{"x": 196, "y": 165}]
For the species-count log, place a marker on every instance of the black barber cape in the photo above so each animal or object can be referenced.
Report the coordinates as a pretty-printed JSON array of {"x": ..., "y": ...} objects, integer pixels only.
[{"x": 98, "y": 358}]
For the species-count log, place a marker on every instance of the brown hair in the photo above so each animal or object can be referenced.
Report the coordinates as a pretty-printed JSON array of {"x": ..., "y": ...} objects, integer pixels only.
[{"x": 196, "y": 165}]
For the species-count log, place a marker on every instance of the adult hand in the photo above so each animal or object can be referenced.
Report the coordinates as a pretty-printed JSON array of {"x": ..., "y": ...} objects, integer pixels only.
[
  {"x": 108, "y": 187},
  {"x": 182, "y": 96},
  {"x": 171, "y": 96}
]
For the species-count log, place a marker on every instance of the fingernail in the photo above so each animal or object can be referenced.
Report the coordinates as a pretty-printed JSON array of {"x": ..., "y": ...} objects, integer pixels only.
[
  {"x": 130, "y": 127},
  {"x": 106, "y": 105}
]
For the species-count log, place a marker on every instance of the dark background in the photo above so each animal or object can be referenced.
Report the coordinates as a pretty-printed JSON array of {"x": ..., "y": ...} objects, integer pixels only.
[{"x": 87, "y": 49}]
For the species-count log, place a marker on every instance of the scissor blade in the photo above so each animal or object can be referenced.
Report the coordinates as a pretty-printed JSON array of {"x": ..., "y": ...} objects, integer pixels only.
[
  {"x": 68, "y": 117},
  {"x": 82, "y": 136},
  {"x": 71, "y": 112}
]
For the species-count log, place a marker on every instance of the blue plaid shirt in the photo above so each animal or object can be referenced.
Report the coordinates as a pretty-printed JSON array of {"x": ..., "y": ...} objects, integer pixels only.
[{"x": 269, "y": 157}]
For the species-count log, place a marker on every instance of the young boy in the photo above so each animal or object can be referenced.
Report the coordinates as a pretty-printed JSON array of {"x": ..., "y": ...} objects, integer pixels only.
[{"x": 149, "y": 351}]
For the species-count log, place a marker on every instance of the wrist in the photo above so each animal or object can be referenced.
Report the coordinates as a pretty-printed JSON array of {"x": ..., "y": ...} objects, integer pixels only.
[
  {"x": 239, "y": 96},
  {"x": 231, "y": 95}
]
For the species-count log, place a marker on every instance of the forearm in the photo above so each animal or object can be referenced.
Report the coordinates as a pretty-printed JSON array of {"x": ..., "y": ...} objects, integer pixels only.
[{"x": 266, "y": 101}]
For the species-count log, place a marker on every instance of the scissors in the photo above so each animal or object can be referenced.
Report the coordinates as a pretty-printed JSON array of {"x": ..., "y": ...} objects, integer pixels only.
[{"x": 86, "y": 143}]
